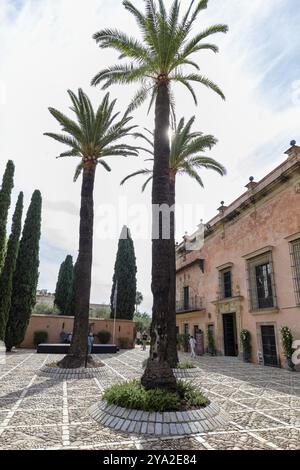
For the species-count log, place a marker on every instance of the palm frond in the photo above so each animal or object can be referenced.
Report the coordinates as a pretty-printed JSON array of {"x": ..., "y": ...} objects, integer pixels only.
[
  {"x": 188, "y": 170},
  {"x": 104, "y": 164},
  {"x": 139, "y": 98},
  {"x": 206, "y": 82},
  {"x": 182, "y": 79},
  {"x": 146, "y": 183},
  {"x": 78, "y": 172},
  {"x": 136, "y": 173}
]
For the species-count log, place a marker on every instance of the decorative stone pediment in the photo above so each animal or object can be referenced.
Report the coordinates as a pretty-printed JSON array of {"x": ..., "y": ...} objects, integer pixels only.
[{"x": 231, "y": 305}]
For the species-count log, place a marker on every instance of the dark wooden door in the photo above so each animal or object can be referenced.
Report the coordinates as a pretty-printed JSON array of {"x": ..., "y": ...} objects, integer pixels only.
[
  {"x": 229, "y": 335},
  {"x": 269, "y": 345}
]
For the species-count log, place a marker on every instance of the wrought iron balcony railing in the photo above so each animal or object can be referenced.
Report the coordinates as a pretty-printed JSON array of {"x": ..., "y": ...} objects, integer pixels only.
[{"x": 190, "y": 305}]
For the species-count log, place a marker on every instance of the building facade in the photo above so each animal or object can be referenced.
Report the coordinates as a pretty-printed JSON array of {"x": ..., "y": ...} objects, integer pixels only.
[{"x": 246, "y": 275}]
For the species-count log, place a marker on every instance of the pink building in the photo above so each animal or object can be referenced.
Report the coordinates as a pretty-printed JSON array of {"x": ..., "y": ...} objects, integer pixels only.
[{"x": 247, "y": 273}]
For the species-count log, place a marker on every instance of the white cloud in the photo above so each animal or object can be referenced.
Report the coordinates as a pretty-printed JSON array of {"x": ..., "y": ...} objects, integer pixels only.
[{"x": 48, "y": 48}]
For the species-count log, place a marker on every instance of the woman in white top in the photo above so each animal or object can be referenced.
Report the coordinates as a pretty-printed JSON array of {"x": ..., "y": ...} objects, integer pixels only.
[{"x": 192, "y": 346}]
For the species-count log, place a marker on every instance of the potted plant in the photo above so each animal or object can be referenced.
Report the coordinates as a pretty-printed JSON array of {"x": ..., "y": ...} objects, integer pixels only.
[
  {"x": 246, "y": 342},
  {"x": 287, "y": 344},
  {"x": 211, "y": 343}
]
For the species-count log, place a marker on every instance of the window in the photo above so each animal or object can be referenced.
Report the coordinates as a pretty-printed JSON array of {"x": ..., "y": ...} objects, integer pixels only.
[
  {"x": 186, "y": 328},
  {"x": 261, "y": 282},
  {"x": 196, "y": 330},
  {"x": 264, "y": 285},
  {"x": 186, "y": 298},
  {"x": 226, "y": 284},
  {"x": 295, "y": 258}
]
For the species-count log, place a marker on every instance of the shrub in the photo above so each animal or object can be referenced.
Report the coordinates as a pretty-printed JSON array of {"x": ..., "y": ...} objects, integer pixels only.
[
  {"x": 287, "y": 341},
  {"x": 45, "y": 309},
  {"x": 185, "y": 365},
  {"x": 124, "y": 342},
  {"x": 211, "y": 342},
  {"x": 191, "y": 395},
  {"x": 183, "y": 340},
  {"x": 132, "y": 395},
  {"x": 40, "y": 337},
  {"x": 246, "y": 341},
  {"x": 104, "y": 336}
]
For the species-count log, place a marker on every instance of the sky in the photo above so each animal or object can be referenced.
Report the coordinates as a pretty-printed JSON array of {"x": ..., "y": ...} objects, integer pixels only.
[{"x": 47, "y": 48}]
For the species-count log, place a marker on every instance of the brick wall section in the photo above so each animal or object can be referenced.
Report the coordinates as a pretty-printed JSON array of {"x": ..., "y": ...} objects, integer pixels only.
[{"x": 53, "y": 324}]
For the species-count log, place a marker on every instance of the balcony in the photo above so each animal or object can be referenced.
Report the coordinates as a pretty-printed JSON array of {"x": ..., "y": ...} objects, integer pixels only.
[{"x": 192, "y": 304}]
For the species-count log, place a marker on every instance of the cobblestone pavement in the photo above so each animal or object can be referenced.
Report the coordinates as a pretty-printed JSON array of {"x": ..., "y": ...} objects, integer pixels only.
[{"x": 38, "y": 412}]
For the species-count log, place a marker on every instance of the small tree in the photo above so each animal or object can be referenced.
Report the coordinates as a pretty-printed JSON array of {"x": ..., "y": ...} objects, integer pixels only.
[
  {"x": 6, "y": 276},
  {"x": 211, "y": 342},
  {"x": 287, "y": 342},
  {"x": 246, "y": 342},
  {"x": 64, "y": 285},
  {"x": 26, "y": 275},
  {"x": 142, "y": 322},
  {"x": 124, "y": 279},
  {"x": 5, "y": 199}
]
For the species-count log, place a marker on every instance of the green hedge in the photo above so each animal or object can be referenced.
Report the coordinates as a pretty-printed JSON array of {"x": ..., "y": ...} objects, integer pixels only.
[
  {"x": 132, "y": 395},
  {"x": 40, "y": 337},
  {"x": 104, "y": 336}
]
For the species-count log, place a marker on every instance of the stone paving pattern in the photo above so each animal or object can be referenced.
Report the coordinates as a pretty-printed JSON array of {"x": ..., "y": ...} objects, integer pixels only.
[{"x": 39, "y": 412}]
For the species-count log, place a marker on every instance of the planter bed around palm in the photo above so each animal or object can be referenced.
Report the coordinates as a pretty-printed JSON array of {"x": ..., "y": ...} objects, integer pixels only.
[
  {"x": 130, "y": 408},
  {"x": 92, "y": 370},
  {"x": 186, "y": 369}
]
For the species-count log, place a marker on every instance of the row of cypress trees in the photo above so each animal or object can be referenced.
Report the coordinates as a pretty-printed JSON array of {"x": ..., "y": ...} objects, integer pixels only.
[
  {"x": 19, "y": 261},
  {"x": 123, "y": 294}
]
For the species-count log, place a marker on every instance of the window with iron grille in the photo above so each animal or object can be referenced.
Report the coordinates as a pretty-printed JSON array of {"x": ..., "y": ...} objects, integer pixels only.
[
  {"x": 261, "y": 284},
  {"x": 226, "y": 284},
  {"x": 295, "y": 258}
]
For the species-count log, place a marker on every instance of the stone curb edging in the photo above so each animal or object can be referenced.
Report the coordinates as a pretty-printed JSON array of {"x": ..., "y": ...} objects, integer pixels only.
[
  {"x": 184, "y": 373},
  {"x": 177, "y": 423},
  {"x": 81, "y": 373}
]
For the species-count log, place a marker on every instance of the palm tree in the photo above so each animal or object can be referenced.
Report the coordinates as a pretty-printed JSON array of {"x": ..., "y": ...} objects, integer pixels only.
[
  {"x": 138, "y": 300},
  {"x": 155, "y": 62},
  {"x": 185, "y": 159},
  {"x": 91, "y": 137}
]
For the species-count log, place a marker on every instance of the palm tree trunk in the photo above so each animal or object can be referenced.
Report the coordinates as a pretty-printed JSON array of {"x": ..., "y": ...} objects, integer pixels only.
[
  {"x": 158, "y": 373},
  {"x": 172, "y": 343},
  {"x": 78, "y": 349}
]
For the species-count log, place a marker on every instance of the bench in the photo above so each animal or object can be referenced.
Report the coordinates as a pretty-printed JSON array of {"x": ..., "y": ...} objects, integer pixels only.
[{"x": 64, "y": 349}]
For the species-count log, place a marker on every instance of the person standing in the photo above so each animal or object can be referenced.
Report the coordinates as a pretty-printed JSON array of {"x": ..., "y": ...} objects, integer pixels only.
[
  {"x": 144, "y": 341},
  {"x": 192, "y": 346},
  {"x": 90, "y": 342}
]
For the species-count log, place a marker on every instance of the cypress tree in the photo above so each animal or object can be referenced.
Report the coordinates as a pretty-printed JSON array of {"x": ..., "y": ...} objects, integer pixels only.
[
  {"x": 70, "y": 306},
  {"x": 26, "y": 275},
  {"x": 124, "y": 278},
  {"x": 6, "y": 276},
  {"x": 5, "y": 199},
  {"x": 64, "y": 285}
]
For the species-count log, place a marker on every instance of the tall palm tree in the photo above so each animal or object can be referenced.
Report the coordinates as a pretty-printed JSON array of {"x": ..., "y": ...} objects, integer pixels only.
[
  {"x": 91, "y": 137},
  {"x": 155, "y": 62},
  {"x": 185, "y": 159}
]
